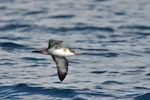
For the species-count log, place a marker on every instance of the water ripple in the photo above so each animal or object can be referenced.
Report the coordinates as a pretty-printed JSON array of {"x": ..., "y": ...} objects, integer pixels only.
[
  {"x": 12, "y": 38},
  {"x": 11, "y": 45},
  {"x": 91, "y": 28},
  {"x": 98, "y": 72},
  {"x": 145, "y": 96},
  {"x": 27, "y": 89},
  {"x": 34, "y": 12},
  {"x": 139, "y": 27},
  {"x": 33, "y": 59},
  {"x": 62, "y": 16},
  {"x": 14, "y": 27},
  {"x": 112, "y": 82}
]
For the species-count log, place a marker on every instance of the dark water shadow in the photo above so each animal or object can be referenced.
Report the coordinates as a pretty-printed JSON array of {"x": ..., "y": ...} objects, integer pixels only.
[
  {"x": 10, "y": 46},
  {"x": 145, "y": 96},
  {"x": 11, "y": 91}
]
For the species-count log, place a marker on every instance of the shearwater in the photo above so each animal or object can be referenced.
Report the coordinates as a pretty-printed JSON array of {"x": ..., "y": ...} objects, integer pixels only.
[{"x": 58, "y": 53}]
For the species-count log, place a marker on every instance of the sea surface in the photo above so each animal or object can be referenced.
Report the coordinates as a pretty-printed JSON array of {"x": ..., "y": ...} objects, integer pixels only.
[{"x": 112, "y": 35}]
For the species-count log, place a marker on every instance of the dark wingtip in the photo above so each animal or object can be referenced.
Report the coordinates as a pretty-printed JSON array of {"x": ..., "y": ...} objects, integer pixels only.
[
  {"x": 36, "y": 51},
  {"x": 62, "y": 77}
]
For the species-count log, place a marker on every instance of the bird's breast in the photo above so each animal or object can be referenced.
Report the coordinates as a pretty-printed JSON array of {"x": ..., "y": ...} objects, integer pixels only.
[{"x": 61, "y": 52}]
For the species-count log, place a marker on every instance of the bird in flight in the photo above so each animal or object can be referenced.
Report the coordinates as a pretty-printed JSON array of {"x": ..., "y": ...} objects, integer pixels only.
[{"x": 58, "y": 53}]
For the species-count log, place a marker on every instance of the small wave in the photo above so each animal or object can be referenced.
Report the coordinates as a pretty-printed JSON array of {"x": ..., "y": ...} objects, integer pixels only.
[
  {"x": 26, "y": 27},
  {"x": 145, "y": 96},
  {"x": 109, "y": 54},
  {"x": 120, "y": 13},
  {"x": 115, "y": 41},
  {"x": 139, "y": 27},
  {"x": 33, "y": 59},
  {"x": 13, "y": 27},
  {"x": 12, "y": 38},
  {"x": 11, "y": 45},
  {"x": 8, "y": 63},
  {"x": 62, "y": 16},
  {"x": 34, "y": 12},
  {"x": 141, "y": 88},
  {"x": 101, "y": 36},
  {"x": 96, "y": 94},
  {"x": 98, "y": 72},
  {"x": 90, "y": 49},
  {"x": 138, "y": 34},
  {"x": 91, "y": 54},
  {"x": 142, "y": 33},
  {"x": 111, "y": 82},
  {"x": 98, "y": 87},
  {"x": 132, "y": 54},
  {"x": 148, "y": 74},
  {"x": 113, "y": 72},
  {"x": 135, "y": 72},
  {"x": 90, "y": 28},
  {"x": 7, "y": 92},
  {"x": 2, "y": 8},
  {"x": 55, "y": 92}
]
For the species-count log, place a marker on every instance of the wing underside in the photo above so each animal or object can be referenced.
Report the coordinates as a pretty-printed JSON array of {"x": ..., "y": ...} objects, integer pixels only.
[{"x": 62, "y": 66}]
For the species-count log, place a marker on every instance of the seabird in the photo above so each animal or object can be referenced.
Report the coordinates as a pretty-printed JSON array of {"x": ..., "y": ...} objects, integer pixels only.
[{"x": 58, "y": 53}]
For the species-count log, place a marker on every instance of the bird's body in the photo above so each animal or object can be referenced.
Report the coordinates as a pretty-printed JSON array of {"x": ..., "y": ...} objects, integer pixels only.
[
  {"x": 58, "y": 54},
  {"x": 63, "y": 52}
]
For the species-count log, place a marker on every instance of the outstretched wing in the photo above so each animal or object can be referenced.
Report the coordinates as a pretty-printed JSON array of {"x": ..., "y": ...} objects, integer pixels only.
[
  {"x": 53, "y": 42},
  {"x": 62, "y": 66}
]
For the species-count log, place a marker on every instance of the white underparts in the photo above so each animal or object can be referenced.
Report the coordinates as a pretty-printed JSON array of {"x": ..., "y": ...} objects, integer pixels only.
[{"x": 61, "y": 52}]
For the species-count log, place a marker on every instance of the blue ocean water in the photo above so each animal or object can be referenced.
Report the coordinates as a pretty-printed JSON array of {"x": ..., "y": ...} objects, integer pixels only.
[{"x": 113, "y": 35}]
